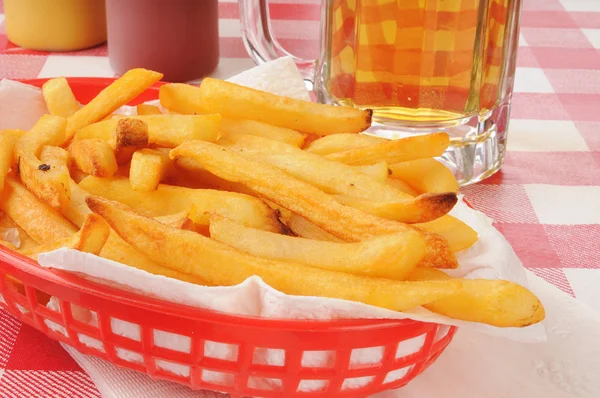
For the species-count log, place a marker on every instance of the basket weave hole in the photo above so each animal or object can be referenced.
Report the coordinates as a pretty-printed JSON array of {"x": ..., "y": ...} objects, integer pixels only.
[
  {"x": 90, "y": 342},
  {"x": 79, "y": 314},
  {"x": 172, "y": 341},
  {"x": 269, "y": 356},
  {"x": 318, "y": 359},
  {"x": 220, "y": 378},
  {"x": 55, "y": 327},
  {"x": 129, "y": 356},
  {"x": 441, "y": 332},
  {"x": 396, "y": 375},
  {"x": 125, "y": 329},
  {"x": 361, "y": 357},
  {"x": 313, "y": 386},
  {"x": 353, "y": 383},
  {"x": 172, "y": 367},
  {"x": 225, "y": 351},
  {"x": 410, "y": 346},
  {"x": 264, "y": 383}
]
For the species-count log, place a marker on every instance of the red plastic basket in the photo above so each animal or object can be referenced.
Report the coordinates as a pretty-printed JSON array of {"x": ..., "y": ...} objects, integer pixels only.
[{"x": 245, "y": 372}]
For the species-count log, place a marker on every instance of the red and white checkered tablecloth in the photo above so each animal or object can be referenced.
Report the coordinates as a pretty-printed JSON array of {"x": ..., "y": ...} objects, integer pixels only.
[{"x": 546, "y": 199}]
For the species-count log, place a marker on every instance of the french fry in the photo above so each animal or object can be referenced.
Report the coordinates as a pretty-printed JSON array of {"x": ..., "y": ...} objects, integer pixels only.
[
  {"x": 179, "y": 220},
  {"x": 387, "y": 256},
  {"x": 225, "y": 266},
  {"x": 425, "y": 175},
  {"x": 345, "y": 222},
  {"x": 49, "y": 184},
  {"x": 303, "y": 228},
  {"x": 400, "y": 186},
  {"x": 181, "y": 98},
  {"x": 77, "y": 210},
  {"x": 340, "y": 179},
  {"x": 378, "y": 171},
  {"x": 458, "y": 234},
  {"x": 493, "y": 302},
  {"x": 8, "y": 139},
  {"x": 116, "y": 249},
  {"x": 166, "y": 199},
  {"x": 395, "y": 151},
  {"x": 163, "y": 130},
  {"x": 94, "y": 157},
  {"x": 232, "y": 100},
  {"x": 59, "y": 97},
  {"x": 425, "y": 207},
  {"x": 26, "y": 241},
  {"x": 145, "y": 109},
  {"x": 119, "y": 93},
  {"x": 39, "y": 220},
  {"x": 341, "y": 142},
  {"x": 232, "y": 129},
  {"x": 148, "y": 168},
  {"x": 90, "y": 239},
  {"x": 127, "y": 132}
]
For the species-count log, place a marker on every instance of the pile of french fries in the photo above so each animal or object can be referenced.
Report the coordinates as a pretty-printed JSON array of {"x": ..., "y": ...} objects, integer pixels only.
[{"x": 231, "y": 182}]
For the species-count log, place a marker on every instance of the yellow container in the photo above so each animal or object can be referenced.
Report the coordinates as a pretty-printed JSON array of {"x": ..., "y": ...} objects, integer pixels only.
[{"x": 55, "y": 25}]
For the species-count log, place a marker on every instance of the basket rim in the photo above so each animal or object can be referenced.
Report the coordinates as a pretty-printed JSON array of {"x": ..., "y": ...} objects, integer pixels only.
[{"x": 22, "y": 264}]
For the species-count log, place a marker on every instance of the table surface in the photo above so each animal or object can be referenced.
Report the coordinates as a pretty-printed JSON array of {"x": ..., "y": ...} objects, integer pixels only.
[{"x": 546, "y": 198}]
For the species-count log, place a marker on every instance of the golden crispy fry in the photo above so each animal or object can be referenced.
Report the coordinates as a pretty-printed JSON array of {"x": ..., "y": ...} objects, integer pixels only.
[
  {"x": 232, "y": 129},
  {"x": 90, "y": 239},
  {"x": 39, "y": 220},
  {"x": 59, "y": 98},
  {"x": 401, "y": 186},
  {"x": 179, "y": 220},
  {"x": 148, "y": 168},
  {"x": 387, "y": 256},
  {"x": 77, "y": 210},
  {"x": 425, "y": 175},
  {"x": 116, "y": 249},
  {"x": 224, "y": 266},
  {"x": 232, "y": 100},
  {"x": 145, "y": 109},
  {"x": 378, "y": 171},
  {"x": 204, "y": 179},
  {"x": 6, "y": 222},
  {"x": 340, "y": 179},
  {"x": 94, "y": 157},
  {"x": 181, "y": 98},
  {"x": 119, "y": 93},
  {"x": 345, "y": 222},
  {"x": 396, "y": 151},
  {"x": 163, "y": 130},
  {"x": 425, "y": 207},
  {"x": 128, "y": 132},
  {"x": 303, "y": 228},
  {"x": 459, "y": 235},
  {"x": 48, "y": 183},
  {"x": 8, "y": 139},
  {"x": 341, "y": 142},
  {"x": 166, "y": 200},
  {"x": 493, "y": 302}
]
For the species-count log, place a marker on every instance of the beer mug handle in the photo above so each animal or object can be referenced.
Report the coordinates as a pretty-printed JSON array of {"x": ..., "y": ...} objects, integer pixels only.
[{"x": 260, "y": 42}]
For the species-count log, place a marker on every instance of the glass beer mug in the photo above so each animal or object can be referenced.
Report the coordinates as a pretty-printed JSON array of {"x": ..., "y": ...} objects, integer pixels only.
[{"x": 421, "y": 65}]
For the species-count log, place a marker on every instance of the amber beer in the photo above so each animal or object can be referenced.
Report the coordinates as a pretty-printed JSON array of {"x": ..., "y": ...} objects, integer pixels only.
[{"x": 420, "y": 60}]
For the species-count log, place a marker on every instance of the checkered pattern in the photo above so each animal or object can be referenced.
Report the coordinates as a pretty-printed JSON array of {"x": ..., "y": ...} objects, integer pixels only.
[{"x": 545, "y": 200}]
